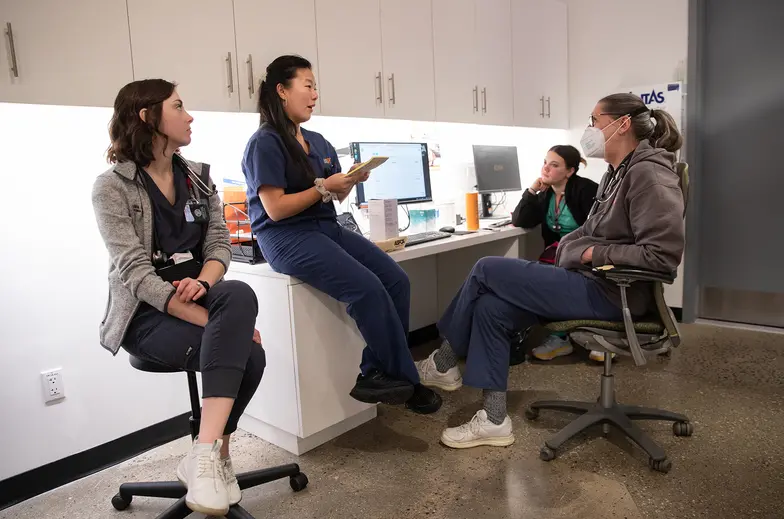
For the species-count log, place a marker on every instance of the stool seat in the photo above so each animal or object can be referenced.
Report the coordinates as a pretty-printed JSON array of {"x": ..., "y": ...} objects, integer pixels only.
[{"x": 151, "y": 366}]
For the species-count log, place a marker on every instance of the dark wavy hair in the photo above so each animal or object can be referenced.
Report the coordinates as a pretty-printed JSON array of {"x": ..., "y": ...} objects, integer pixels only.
[
  {"x": 132, "y": 138},
  {"x": 570, "y": 154},
  {"x": 271, "y": 111}
]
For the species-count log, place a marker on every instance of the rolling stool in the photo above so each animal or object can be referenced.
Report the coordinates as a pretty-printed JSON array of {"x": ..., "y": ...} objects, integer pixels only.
[{"x": 175, "y": 489}]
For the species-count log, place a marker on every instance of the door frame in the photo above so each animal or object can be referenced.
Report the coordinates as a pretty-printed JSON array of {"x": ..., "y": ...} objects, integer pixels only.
[{"x": 694, "y": 152}]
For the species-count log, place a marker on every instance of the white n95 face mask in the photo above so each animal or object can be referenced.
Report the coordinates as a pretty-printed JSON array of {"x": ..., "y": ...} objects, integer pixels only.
[{"x": 592, "y": 142}]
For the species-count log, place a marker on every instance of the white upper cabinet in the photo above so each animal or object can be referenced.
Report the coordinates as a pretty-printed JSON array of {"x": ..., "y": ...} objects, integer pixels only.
[
  {"x": 540, "y": 52},
  {"x": 494, "y": 50},
  {"x": 473, "y": 61},
  {"x": 455, "y": 59},
  {"x": 349, "y": 55},
  {"x": 261, "y": 37},
  {"x": 51, "y": 54},
  {"x": 190, "y": 42},
  {"x": 407, "y": 56}
]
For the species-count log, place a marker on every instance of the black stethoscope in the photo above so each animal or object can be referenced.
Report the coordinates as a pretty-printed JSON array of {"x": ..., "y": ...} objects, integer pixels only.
[{"x": 610, "y": 188}]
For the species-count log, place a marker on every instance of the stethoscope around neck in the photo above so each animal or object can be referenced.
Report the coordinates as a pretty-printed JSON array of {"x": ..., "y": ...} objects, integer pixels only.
[
  {"x": 609, "y": 190},
  {"x": 195, "y": 184}
]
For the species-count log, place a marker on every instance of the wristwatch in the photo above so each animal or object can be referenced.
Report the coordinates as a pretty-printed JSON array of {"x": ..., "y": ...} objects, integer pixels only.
[
  {"x": 204, "y": 284},
  {"x": 326, "y": 196}
]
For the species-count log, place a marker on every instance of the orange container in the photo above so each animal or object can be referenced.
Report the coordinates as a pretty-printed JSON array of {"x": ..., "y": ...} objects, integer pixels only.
[
  {"x": 235, "y": 211},
  {"x": 472, "y": 211}
]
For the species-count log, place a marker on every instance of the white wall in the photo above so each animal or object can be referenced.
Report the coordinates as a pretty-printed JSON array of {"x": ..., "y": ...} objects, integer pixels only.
[
  {"x": 54, "y": 290},
  {"x": 54, "y": 264},
  {"x": 614, "y": 44}
]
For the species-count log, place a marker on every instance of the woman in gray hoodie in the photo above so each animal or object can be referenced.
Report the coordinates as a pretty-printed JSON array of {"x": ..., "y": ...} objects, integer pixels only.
[
  {"x": 161, "y": 220},
  {"x": 637, "y": 221}
]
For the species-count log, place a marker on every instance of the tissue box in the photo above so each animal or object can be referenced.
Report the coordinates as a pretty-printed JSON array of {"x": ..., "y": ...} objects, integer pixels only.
[{"x": 383, "y": 219}]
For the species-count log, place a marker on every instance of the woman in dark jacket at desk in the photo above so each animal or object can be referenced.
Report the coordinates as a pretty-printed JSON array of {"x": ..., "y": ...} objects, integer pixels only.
[{"x": 559, "y": 201}]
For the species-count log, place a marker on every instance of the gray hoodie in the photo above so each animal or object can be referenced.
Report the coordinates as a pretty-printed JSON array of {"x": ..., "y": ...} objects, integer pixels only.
[
  {"x": 638, "y": 223},
  {"x": 125, "y": 220}
]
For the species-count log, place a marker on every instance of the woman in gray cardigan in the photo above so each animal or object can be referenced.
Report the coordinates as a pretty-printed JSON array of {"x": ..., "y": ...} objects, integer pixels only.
[{"x": 162, "y": 223}]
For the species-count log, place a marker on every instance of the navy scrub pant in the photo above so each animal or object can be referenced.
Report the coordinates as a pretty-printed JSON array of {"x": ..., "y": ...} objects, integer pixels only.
[
  {"x": 505, "y": 295},
  {"x": 353, "y": 270},
  {"x": 231, "y": 364}
]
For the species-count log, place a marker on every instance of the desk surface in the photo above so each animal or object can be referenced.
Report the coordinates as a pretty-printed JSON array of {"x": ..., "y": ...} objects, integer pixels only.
[{"x": 409, "y": 253}]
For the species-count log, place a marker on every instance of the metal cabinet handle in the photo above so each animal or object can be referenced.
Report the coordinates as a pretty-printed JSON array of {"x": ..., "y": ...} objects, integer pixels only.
[
  {"x": 380, "y": 92},
  {"x": 249, "y": 63},
  {"x": 484, "y": 100},
  {"x": 476, "y": 99},
  {"x": 230, "y": 75},
  {"x": 548, "y": 107},
  {"x": 392, "y": 89},
  {"x": 541, "y": 114},
  {"x": 9, "y": 32}
]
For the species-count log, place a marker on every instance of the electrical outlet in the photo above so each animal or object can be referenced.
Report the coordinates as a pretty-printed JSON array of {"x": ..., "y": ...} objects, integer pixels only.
[{"x": 52, "y": 381}]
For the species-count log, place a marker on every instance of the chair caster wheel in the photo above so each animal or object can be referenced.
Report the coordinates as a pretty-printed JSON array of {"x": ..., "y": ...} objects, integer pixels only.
[
  {"x": 298, "y": 482},
  {"x": 531, "y": 413},
  {"x": 682, "y": 429},
  {"x": 119, "y": 503},
  {"x": 546, "y": 453},
  {"x": 662, "y": 466}
]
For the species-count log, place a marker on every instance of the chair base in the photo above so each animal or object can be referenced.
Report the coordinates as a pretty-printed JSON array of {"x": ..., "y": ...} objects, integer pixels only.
[
  {"x": 607, "y": 412},
  {"x": 176, "y": 490}
]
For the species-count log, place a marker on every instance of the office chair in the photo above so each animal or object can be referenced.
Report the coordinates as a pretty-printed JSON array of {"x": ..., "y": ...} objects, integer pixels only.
[
  {"x": 656, "y": 334},
  {"x": 176, "y": 490}
]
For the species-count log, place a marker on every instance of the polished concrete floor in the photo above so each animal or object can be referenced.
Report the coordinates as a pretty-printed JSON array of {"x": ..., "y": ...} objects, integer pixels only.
[{"x": 729, "y": 382}]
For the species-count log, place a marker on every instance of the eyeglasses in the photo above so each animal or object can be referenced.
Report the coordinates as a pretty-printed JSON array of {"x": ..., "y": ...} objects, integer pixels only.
[{"x": 592, "y": 118}]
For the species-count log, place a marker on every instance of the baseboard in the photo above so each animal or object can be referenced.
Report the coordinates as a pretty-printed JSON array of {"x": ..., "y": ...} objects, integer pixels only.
[
  {"x": 422, "y": 335},
  {"x": 56, "y": 474}
]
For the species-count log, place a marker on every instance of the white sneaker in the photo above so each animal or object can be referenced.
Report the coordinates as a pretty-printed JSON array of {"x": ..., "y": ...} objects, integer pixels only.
[
  {"x": 479, "y": 431},
  {"x": 201, "y": 471},
  {"x": 430, "y": 376},
  {"x": 232, "y": 486},
  {"x": 553, "y": 347}
]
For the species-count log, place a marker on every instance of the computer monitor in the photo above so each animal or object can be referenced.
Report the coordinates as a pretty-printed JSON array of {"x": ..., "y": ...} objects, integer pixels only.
[
  {"x": 405, "y": 177},
  {"x": 497, "y": 170}
]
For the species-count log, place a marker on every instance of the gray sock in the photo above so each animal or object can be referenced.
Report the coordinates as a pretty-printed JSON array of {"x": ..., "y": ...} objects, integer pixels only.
[
  {"x": 445, "y": 358},
  {"x": 495, "y": 405}
]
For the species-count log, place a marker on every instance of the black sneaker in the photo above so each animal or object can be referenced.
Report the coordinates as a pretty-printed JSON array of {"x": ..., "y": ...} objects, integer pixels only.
[
  {"x": 378, "y": 387},
  {"x": 424, "y": 400}
]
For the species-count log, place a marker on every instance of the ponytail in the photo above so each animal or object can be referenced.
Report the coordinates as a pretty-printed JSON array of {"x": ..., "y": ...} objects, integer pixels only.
[
  {"x": 665, "y": 132},
  {"x": 271, "y": 112}
]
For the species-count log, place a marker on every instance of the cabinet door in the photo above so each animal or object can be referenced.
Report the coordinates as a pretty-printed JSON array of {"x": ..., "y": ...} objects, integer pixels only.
[
  {"x": 407, "y": 43},
  {"x": 190, "y": 42},
  {"x": 540, "y": 63},
  {"x": 53, "y": 55},
  {"x": 349, "y": 51},
  {"x": 262, "y": 35},
  {"x": 555, "y": 71},
  {"x": 454, "y": 48},
  {"x": 494, "y": 47}
]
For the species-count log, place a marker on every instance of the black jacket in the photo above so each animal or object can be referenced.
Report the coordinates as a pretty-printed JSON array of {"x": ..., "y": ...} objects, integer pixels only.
[{"x": 532, "y": 209}]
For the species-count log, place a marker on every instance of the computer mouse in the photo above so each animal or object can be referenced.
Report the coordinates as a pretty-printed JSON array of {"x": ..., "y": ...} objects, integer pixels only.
[{"x": 447, "y": 229}]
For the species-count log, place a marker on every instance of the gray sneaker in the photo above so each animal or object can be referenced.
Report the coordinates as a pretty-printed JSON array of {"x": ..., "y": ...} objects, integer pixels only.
[{"x": 553, "y": 347}]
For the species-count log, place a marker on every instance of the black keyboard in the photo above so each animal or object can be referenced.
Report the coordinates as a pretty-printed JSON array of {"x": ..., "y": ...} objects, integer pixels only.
[{"x": 424, "y": 237}]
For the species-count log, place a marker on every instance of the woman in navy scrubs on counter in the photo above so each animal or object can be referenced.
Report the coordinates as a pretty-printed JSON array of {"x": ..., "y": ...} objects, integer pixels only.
[{"x": 293, "y": 176}]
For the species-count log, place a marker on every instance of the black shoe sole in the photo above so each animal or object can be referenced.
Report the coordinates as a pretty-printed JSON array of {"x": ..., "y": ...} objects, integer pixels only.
[
  {"x": 393, "y": 396},
  {"x": 429, "y": 408}
]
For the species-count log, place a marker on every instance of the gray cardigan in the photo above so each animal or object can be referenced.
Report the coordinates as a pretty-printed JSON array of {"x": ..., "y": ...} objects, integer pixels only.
[{"x": 125, "y": 220}]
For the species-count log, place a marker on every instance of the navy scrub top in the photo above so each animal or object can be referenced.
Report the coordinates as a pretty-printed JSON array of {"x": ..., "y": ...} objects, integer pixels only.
[{"x": 267, "y": 163}]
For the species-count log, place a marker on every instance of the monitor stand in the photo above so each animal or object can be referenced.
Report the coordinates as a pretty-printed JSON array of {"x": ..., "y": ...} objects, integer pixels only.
[{"x": 487, "y": 208}]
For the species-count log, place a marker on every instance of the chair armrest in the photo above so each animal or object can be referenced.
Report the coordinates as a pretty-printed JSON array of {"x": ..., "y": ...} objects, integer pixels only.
[{"x": 622, "y": 274}]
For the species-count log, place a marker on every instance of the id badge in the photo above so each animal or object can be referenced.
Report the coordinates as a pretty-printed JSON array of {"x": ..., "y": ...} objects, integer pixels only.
[{"x": 197, "y": 211}]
